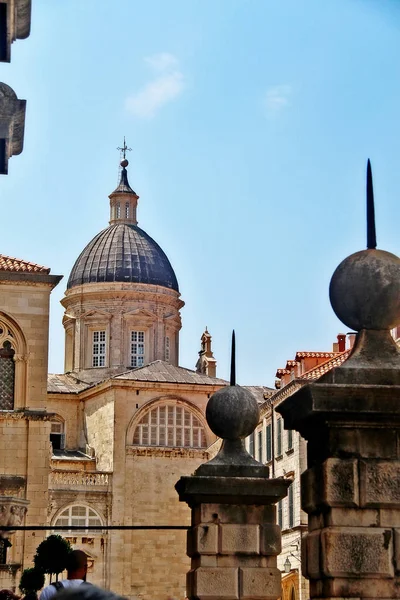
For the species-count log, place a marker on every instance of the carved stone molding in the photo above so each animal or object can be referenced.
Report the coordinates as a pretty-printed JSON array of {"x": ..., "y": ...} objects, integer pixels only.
[
  {"x": 12, "y": 513},
  {"x": 11, "y": 485},
  {"x": 167, "y": 452}
]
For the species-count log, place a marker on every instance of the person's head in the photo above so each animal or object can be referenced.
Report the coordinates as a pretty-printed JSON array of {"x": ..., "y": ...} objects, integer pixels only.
[{"x": 77, "y": 565}]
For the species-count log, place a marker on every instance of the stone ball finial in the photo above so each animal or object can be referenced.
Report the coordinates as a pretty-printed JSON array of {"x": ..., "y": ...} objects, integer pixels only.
[
  {"x": 124, "y": 163},
  {"x": 232, "y": 413},
  {"x": 365, "y": 290}
]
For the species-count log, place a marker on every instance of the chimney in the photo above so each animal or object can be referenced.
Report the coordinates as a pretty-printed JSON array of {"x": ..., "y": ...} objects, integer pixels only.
[
  {"x": 341, "y": 338},
  {"x": 351, "y": 338}
]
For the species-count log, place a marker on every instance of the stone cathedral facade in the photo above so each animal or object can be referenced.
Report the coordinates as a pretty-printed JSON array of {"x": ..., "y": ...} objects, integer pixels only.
[{"x": 104, "y": 443}]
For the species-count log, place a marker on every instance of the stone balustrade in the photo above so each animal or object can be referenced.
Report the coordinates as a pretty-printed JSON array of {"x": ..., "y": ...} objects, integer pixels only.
[{"x": 59, "y": 478}]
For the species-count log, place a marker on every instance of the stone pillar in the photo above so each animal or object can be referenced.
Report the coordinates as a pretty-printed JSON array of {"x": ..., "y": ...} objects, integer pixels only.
[
  {"x": 233, "y": 540},
  {"x": 351, "y": 420}
]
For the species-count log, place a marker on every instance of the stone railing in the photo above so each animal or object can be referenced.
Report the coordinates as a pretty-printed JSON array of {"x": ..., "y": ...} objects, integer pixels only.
[{"x": 79, "y": 478}]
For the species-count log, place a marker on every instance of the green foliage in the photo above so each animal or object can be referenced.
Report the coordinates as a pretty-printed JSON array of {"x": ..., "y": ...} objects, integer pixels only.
[
  {"x": 32, "y": 580},
  {"x": 51, "y": 554}
]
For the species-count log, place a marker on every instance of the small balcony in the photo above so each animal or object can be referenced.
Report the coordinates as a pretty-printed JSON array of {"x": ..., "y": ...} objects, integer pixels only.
[{"x": 97, "y": 481}]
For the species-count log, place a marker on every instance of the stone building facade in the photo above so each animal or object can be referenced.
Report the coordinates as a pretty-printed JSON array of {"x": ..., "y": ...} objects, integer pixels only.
[
  {"x": 124, "y": 421},
  {"x": 24, "y": 421}
]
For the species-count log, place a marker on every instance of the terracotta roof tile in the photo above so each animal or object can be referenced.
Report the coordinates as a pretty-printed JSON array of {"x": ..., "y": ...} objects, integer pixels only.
[
  {"x": 280, "y": 372},
  {"x": 315, "y": 355},
  {"x": 7, "y": 263},
  {"x": 326, "y": 366}
]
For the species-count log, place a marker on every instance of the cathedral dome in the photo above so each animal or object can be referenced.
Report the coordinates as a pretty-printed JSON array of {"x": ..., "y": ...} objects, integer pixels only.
[{"x": 124, "y": 253}]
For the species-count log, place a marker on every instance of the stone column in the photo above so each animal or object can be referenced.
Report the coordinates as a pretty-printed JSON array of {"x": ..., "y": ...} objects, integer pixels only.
[
  {"x": 351, "y": 420},
  {"x": 233, "y": 540}
]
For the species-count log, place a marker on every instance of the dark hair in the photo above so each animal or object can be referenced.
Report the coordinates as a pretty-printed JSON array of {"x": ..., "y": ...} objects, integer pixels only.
[
  {"x": 77, "y": 559},
  {"x": 86, "y": 591}
]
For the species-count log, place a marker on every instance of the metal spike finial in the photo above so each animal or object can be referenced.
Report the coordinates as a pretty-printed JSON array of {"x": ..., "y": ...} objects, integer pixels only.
[
  {"x": 371, "y": 232},
  {"x": 233, "y": 360}
]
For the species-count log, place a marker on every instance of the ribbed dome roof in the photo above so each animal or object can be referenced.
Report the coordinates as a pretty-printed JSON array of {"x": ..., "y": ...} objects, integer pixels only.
[{"x": 123, "y": 253}]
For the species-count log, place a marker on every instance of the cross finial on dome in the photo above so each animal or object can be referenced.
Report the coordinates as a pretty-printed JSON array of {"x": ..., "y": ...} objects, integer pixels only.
[{"x": 124, "y": 149}]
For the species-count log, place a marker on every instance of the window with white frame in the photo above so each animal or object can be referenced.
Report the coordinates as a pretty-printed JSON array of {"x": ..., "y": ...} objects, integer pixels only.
[
  {"x": 260, "y": 446},
  {"x": 280, "y": 514},
  {"x": 167, "y": 348},
  {"x": 269, "y": 442},
  {"x": 99, "y": 349},
  {"x": 291, "y": 505},
  {"x": 137, "y": 348},
  {"x": 78, "y": 516},
  {"x": 127, "y": 210},
  {"x": 252, "y": 444},
  {"x": 279, "y": 437},
  {"x": 172, "y": 426},
  {"x": 290, "y": 439}
]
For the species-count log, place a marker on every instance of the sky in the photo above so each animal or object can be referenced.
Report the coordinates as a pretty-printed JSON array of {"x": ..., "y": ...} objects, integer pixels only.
[{"x": 250, "y": 123}]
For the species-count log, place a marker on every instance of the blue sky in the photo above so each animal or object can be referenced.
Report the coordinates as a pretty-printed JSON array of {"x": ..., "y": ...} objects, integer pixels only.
[{"x": 250, "y": 123}]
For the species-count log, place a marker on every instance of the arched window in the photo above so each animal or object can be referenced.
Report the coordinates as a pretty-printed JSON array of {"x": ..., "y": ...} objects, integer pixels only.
[
  {"x": 126, "y": 210},
  {"x": 170, "y": 425},
  {"x": 7, "y": 375},
  {"x": 78, "y": 515},
  {"x": 118, "y": 208}
]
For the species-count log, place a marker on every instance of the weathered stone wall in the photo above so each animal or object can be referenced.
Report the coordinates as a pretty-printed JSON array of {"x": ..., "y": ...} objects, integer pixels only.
[
  {"x": 99, "y": 423},
  {"x": 25, "y": 432},
  {"x": 67, "y": 407}
]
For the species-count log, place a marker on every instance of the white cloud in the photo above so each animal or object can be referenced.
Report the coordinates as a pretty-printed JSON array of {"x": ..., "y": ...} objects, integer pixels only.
[
  {"x": 167, "y": 85},
  {"x": 277, "y": 98},
  {"x": 162, "y": 61}
]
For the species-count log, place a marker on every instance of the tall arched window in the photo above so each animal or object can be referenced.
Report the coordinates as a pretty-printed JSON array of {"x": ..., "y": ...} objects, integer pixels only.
[
  {"x": 78, "y": 515},
  {"x": 7, "y": 375},
  {"x": 170, "y": 425}
]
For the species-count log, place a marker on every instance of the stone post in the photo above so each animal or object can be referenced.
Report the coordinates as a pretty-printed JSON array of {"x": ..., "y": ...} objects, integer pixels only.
[
  {"x": 233, "y": 540},
  {"x": 351, "y": 420}
]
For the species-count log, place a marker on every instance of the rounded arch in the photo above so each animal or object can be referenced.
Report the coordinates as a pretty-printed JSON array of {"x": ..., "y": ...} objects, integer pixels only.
[
  {"x": 12, "y": 332},
  {"x": 168, "y": 421},
  {"x": 80, "y": 514},
  {"x": 57, "y": 432}
]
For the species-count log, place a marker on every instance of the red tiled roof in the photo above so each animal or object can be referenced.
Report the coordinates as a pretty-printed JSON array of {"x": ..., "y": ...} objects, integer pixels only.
[
  {"x": 281, "y": 372},
  {"x": 326, "y": 366},
  {"x": 291, "y": 363},
  {"x": 315, "y": 355},
  {"x": 7, "y": 263}
]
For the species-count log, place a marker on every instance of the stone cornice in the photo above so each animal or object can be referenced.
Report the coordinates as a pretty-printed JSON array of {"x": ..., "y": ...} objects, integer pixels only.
[
  {"x": 121, "y": 292},
  {"x": 155, "y": 386},
  {"x": 29, "y": 279},
  {"x": 164, "y": 452},
  {"x": 31, "y": 415}
]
